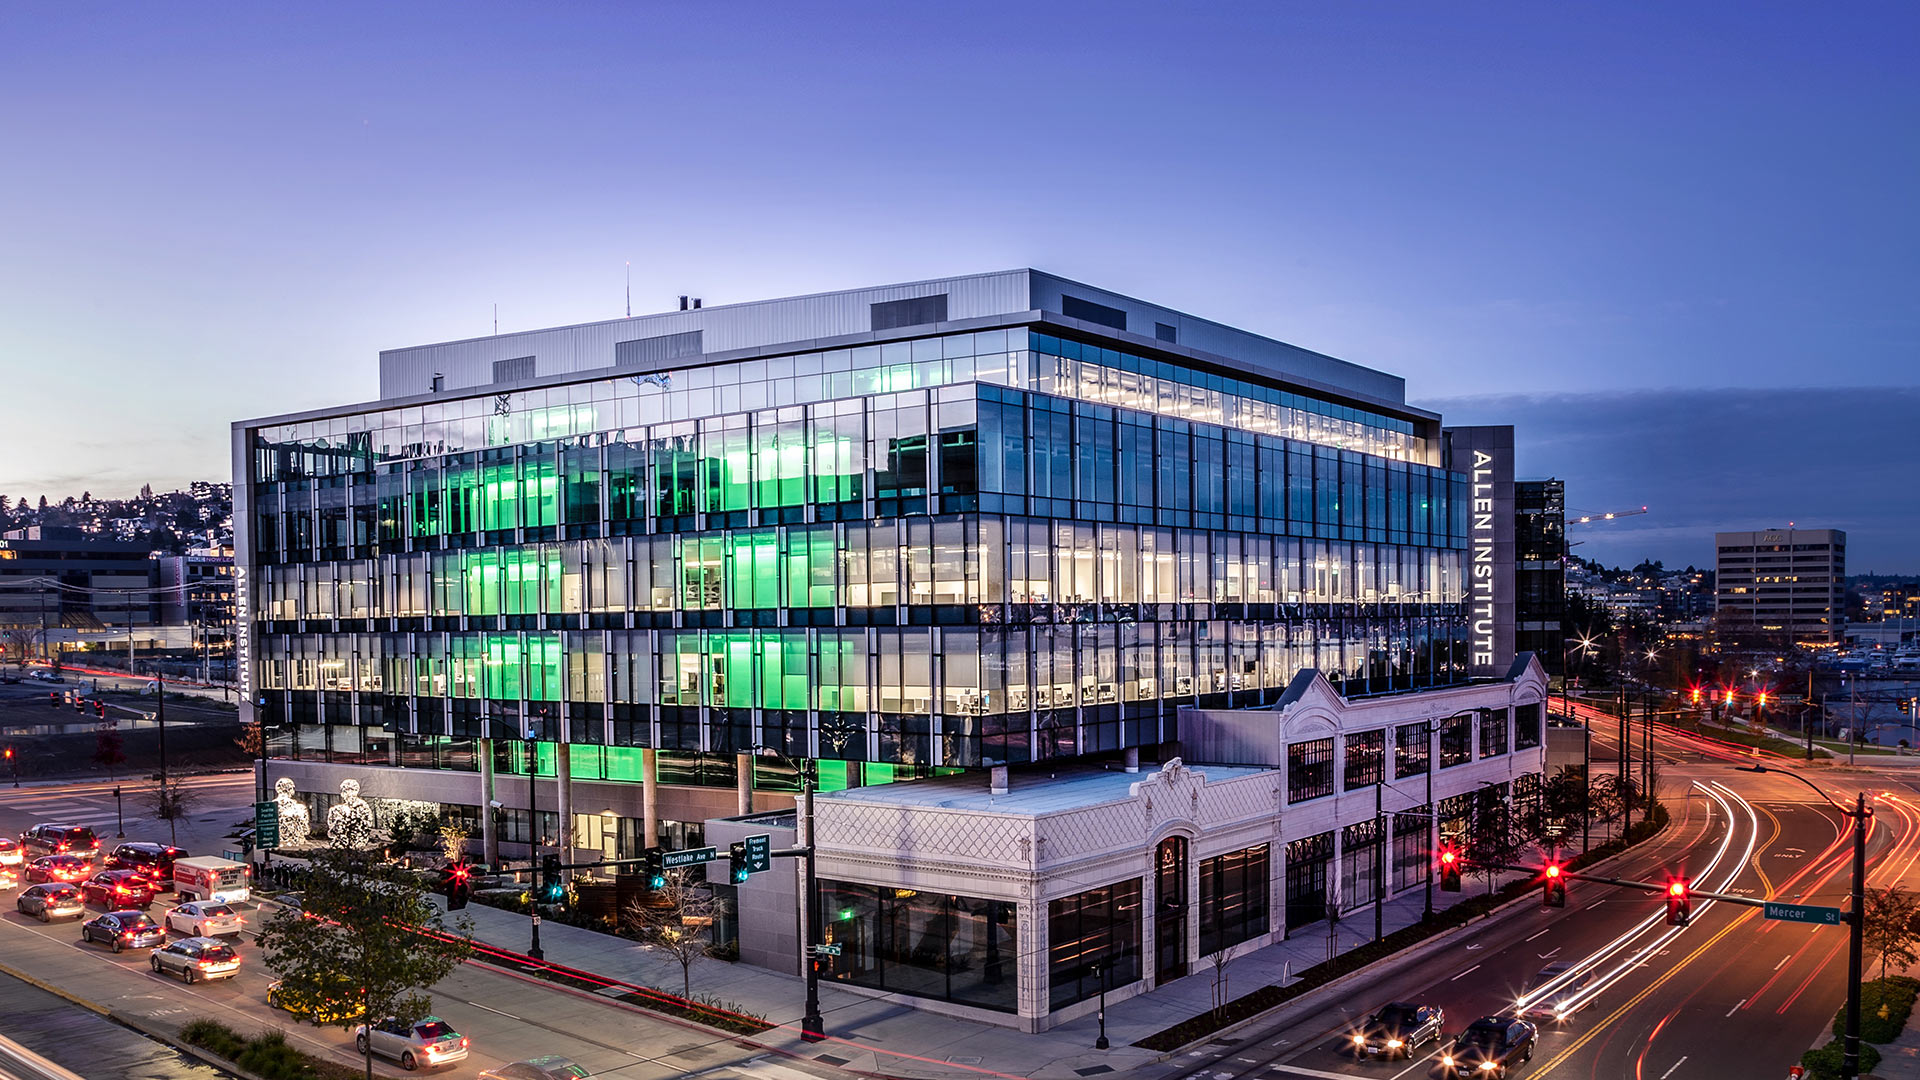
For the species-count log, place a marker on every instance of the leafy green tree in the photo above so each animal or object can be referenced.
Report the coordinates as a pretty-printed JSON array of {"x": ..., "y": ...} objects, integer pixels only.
[
  {"x": 1494, "y": 838},
  {"x": 364, "y": 943}
]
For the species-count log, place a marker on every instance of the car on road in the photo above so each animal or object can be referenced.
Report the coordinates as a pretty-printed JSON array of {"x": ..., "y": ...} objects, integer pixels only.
[
  {"x": 1562, "y": 1001},
  {"x": 117, "y": 889},
  {"x": 69, "y": 868},
  {"x": 10, "y": 852},
  {"x": 154, "y": 861},
  {"x": 196, "y": 958},
  {"x": 344, "y": 1007},
  {"x": 200, "y": 918},
  {"x": 550, "y": 1067},
  {"x": 1397, "y": 1029},
  {"x": 43, "y": 675},
  {"x": 52, "y": 839},
  {"x": 123, "y": 930},
  {"x": 53, "y": 900},
  {"x": 430, "y": 1042},
  {"x": 1492, "y": 1046}
]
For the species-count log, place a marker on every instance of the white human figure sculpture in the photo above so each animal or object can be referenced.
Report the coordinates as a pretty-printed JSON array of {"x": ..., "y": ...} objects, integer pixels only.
[
  {"x": 350, "y": 822},
  {"x": 295, "y": 825}
]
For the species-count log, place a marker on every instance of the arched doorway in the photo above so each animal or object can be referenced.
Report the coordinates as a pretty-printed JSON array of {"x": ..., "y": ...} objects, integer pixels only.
[{"x": 1170, "y": 910}]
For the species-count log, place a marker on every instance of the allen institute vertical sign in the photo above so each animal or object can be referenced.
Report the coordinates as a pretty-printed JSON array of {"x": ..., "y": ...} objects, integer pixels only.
[{"x": 1484, "y": 455}]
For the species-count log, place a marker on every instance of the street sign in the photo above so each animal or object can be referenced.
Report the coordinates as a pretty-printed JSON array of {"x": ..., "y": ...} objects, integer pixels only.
[
  {"x": 674, "y": 860},
  {"x": 266, "y": 824},
  {"x": 1825, "y": 916},
  {"x": 759, "y": 853},
  {"x": 826, "y": 950}
]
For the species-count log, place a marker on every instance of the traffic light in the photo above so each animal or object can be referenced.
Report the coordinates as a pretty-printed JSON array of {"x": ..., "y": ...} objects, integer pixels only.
[
  {"x": 53, "y": 699},
  {"x": 1556, "y": 886},
  {"x": 737, "y": 862},
  {"x": 100, "y": 709},
  {"x": 656, "y": 868},
  {"x": 1696, "y": 695},
  {"x": 1679, "y": 902},
  {"x": 552, "y": 889},
  {"x": 1449, "y": 869},
  {"x": 459, "y": 886}
]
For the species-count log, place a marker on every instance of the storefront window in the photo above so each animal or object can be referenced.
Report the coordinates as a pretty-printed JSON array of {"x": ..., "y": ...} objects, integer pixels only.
[
  {"x": 1234, "y": 898},
  {"x": 1093, "y": 942},
  {"x": 1309, "y": 770},
  {"x": 1493, "y": 732},
  {"x": 934, "y": 945},
  {"x": 1456, "y": 740},
  {"x": 1366, "y": 758},
  {"x": 1526, "y": 726}
]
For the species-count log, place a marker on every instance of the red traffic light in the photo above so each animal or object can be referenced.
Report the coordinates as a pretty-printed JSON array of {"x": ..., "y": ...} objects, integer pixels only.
[
  {"x": 1676, "y": 888},
  {"x": 1553, "y": 870},
  {"x": 1448, "y": 856}
]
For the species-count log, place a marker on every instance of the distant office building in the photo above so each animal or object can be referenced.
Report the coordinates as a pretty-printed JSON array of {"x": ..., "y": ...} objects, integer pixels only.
[
  {"x": 1785, "y": 583},
  {"x": 56, "y": 581},
  {"x": 198, "y": 589},
  {"x": 1540, "y": 569}
]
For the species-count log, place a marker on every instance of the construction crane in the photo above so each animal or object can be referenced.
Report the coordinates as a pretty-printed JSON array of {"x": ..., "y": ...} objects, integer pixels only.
[{"x": 1594, "y": 519}]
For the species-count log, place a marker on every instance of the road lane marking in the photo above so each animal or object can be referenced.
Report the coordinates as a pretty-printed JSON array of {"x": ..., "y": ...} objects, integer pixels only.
[
  {"x": 1736, "y": 1008},
  {"x": 1595, "y": 904},
  {"x": 1543, "y": 932},
  {"x": 1301, "y": 1070},
  {"x": 1549, "y": 955},
  {"x": 1465, "y": 973},
  {"x": 1677, "y": 1064},
  {"x": 491, "y": 1009},
  {"x": 1783, "y": 962}
]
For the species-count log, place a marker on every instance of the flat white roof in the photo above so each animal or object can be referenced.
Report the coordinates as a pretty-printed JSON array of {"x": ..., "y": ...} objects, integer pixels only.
[{"x": 1030, "y": 794}]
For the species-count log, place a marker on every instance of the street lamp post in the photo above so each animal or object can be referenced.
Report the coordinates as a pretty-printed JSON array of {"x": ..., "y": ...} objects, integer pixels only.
[
  {"x": 119, "y": 811},
  {"x": 1101, "y": 1042},
  {"x": 1856, "y": 919},
  {"x": 813, "y": 1027}
]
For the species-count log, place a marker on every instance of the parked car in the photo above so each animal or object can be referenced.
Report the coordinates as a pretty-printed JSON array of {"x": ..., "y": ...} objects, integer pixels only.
[
  {"x": 198, "y": 918},
  {"x": 52, "y": 839},
  {"x": 196, "y": 958},
  {"x": 43, "y": 675},
  {"x": 551, "y": 1067},
  {"x": 1397, "y": 1029},
  {"x": 53, "y": 900},
  {"x": 59, "y": 868},
  {"x": 123, "y": 930},
  {"x": 1490, "y": 1047},
  {"x": 117, "y": 889},
  {"x": 154, "y": 861},
  {"x": 430, "y": 1042},
  {"x": 1562, "y": 1001},
  {"x": 10, "y": 852}
]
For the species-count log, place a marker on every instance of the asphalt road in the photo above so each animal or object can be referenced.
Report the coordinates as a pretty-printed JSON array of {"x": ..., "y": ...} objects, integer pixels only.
[
  {"x": 1729, "y": 995},
  {"x": 508, "y": 1018}
]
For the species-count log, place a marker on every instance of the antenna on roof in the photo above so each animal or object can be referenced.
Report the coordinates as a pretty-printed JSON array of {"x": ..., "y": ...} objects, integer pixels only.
[
  {"x": 496, "y": 319},
  {"x": 629, "y": 288}
]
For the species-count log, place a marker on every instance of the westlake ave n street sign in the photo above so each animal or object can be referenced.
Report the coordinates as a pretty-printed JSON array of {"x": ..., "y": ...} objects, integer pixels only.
[
  {"x": 1824, "y": 916},
  {"x": 674, "y": 860}
]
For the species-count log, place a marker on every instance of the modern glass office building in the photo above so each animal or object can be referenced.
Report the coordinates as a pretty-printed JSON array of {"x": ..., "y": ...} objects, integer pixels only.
[{"x": 985, "y": 520}]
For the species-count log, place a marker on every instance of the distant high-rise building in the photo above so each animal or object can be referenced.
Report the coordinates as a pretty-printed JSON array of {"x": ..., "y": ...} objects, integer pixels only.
[
  {"x": 1785, "y": 583},
  {"x": 1540, "y": 570}
]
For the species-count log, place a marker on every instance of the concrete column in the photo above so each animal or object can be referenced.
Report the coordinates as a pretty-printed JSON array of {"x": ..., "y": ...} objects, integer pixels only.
[
  {"x": 489, "y": 836},
  {"x": 649, "y": 800},
  {"x": 563, "y": 777},
  {"x": 997, "y": 780},
  {"x": 743, "y": 770},
  {"x": 1133, "y": 759}
]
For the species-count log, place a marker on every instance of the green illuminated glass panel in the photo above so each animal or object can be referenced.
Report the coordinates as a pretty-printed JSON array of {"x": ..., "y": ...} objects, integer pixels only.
[
  {"x": 676, "y": 473},
  {"x": 755, "y": 570},
  {"x": 843, "y": 671},
  {"x": 780, "y": 464},
  {"x": 480, "y": 575},
  {"x": 584, "y": 763},
  {"x": 626, "y": 763},
  {"x": 544, "y": 659},
  {"x": 499, "y": 497},
  {"x": 463, "y": 500},
  {"x": 783, "y": 670},
  {"x": 726, "y": 464},
  {"x": 810, "y": 556},
  {"x": 833, "y": 774},
  {"x": 503, "y": 656},
  {"x": 701, "y": 573},
  {"x": 839, "y": 458},
  {"x": 540, "y": 491}
]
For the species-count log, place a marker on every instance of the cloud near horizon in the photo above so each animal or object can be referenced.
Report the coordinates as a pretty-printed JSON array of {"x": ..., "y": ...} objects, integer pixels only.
[{"x": 1722, "y": 460}]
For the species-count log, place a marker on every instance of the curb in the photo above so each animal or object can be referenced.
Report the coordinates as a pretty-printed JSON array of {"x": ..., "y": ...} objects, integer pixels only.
[
  {"x": 1417, "y": 951},
  {"x": 41, "y": 984}
]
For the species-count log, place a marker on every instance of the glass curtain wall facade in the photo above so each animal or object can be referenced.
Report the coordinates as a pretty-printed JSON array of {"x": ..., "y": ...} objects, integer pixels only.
[{"x": 985, "y": 547}]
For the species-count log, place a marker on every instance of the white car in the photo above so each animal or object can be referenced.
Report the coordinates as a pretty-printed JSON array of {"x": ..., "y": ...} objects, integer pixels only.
[
  {"x": 201, "y": 918},
  {"x": 10, "y": 853},
  {"x": 196, "y": 959},
  {"x": 430, "y": 1042}
]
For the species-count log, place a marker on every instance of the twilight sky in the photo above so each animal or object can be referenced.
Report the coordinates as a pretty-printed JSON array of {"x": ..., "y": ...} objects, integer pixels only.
[{"x": 1677, "y": 245}]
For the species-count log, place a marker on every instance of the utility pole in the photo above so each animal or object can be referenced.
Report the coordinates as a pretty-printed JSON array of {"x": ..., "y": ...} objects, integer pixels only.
[
  {"x": 1856, "y": 933},
  {"x": 1379, "y": 846},
  {"x": 533, "y": 838}
]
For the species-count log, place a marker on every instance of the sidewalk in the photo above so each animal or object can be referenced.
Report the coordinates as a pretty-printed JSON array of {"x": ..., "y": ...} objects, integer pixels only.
[{"x": 889, "y": 1038}]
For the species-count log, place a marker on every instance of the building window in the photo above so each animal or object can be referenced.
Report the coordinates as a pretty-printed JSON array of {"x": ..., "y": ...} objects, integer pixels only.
[
  {"x": 1526, "y": 726},
  {"x": 1493, "y": 732},
  {"x": 1456, "y": 740},
  {"x": 1164, "y": 332},
  {"x": 1366, "y": 758},
  {"x": 1411, "y": 860},
  {"x": 1309, "y": 770},
  {"x": 1456, "y": 814},
  {"x": 1359, "y": 862},
  {"x": 1307, "y": 860},
  {"x": 1410, "y": 750},
  {"x": 1093, "y": 942},
  {"x": 1234, "y": 891},
  {"x": 1075, "y": 308},
  {"x": 954, "y": 948}
]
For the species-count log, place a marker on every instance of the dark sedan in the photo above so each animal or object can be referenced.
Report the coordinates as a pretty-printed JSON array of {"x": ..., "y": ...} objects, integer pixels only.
[
  {"x": 1396, "y": 1030},
  {"x": 1492, "y": 1046},
  {"x": 59, "y": 868},
  {"x": 123, "y": 930}
]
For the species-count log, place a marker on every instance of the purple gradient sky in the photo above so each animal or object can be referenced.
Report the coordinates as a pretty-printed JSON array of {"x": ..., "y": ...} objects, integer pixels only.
[{"x": 214, "y": 213}]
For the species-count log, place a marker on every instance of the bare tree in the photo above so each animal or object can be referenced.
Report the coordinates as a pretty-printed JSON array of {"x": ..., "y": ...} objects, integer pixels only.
[
  {"x": 1889, "y": 929},
  {"x": 678, "y": 922},
  {"x": 1219, "y": 960},
  {"x": 169, "y": 802}
]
